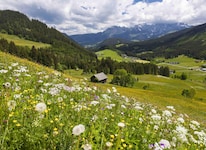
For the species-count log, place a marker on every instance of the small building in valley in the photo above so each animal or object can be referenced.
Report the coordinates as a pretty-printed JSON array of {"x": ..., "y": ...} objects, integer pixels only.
[{"x": 99, "y": 77}]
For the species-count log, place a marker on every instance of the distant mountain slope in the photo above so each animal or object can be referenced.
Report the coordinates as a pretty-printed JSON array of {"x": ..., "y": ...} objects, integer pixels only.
[
  {"x": 111, "y": 43},
  {"x": 191, "y": 42},
  {"x": 63, "y": 52},
  {"x": 136, "y": 33}
]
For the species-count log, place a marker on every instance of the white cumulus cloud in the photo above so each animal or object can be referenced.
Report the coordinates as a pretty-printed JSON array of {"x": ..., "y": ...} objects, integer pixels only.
[{"x": 87, "y": 16}]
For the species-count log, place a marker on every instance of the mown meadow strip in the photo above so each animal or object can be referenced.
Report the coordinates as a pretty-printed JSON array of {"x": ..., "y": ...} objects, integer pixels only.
[
  {"x": 22, "y": 42},
  {"x": 44, "y": 109}
]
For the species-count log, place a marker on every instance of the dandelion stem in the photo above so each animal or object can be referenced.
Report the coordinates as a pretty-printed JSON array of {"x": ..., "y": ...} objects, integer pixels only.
[
  {"x": 6, "y": 130},
  {"x": 118, "y": 140},
  {"x": 77, "y": 145}
]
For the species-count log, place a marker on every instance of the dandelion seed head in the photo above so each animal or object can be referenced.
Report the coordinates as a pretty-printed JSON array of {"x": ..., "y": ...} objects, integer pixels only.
[
  {"x": 40, "y": 107},
  {"x": 78, "y": 129}
]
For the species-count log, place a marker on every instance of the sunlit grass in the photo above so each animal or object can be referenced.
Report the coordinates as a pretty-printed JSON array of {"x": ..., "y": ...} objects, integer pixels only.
[
  {"x": 115, "y": 56},
  {"x": 22, "y": 42},
  {"x": 109, "y": 53}
]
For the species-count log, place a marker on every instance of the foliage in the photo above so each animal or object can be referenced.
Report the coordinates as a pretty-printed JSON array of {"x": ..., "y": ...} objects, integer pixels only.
[
  {"x": 43, "y": 109},
  {"x": 145, "y": 87},
  {"x": 122, "y": 78},
  {"x": 108, "y": 65},
  {"x": 189, "y": 93},
  {"x": 164, "y": 71},
  {"x": 183, "y": 76}
]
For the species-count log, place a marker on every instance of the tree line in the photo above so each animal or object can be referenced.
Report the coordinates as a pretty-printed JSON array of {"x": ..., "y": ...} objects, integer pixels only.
[{"x": 66, "y": 59}]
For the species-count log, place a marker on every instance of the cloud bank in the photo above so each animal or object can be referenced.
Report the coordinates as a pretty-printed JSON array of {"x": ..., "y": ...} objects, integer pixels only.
[{"x": 89, "y": 16}]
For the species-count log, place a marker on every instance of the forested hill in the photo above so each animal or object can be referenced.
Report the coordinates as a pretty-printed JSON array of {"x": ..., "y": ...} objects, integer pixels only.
[
  {"x": 63, "y": 53},
  {"x": 16, "y": 23},
  {"x": 190, "y": 42}
]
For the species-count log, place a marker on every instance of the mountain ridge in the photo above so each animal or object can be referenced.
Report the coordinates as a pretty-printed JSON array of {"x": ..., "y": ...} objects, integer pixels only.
[
  {"x": 137, "y": 33},
  {"x": 190, "y": 41}
]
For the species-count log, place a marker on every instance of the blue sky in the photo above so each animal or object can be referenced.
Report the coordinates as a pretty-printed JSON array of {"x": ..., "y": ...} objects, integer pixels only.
[
  {"x": 148, "y": 1},
  {"x": 91, "y": 16}
]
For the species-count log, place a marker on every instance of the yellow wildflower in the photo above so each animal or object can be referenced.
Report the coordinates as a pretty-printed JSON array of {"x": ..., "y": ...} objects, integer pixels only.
[
  {"x": 55, "y": 129},
  {"x": 112, "y": 136},
  {"x": 124, "y": 145},
  {"x": 61, "y": 124},
  {"x": 18, "y": 124},
  {"x": 14, "y": 121}
]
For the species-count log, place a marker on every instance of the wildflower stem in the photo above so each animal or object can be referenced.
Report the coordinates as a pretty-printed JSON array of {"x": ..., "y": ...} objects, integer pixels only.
[
  {"x": 6, "y": 130},
  {"x": 77, "y": 145},
  {"x": 118, "y": 140}
]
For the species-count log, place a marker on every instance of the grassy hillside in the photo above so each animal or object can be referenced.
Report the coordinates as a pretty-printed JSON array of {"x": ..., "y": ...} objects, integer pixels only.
[
  {"x": 116, "y": 56},
  {"x": 22, "y": 42},
  {"x": 45, "y": 109},
  {"x": 109, "y": 53}
]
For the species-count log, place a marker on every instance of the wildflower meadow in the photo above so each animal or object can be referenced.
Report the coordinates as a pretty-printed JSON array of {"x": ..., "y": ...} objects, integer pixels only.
[{"x": 42, "y": 109}]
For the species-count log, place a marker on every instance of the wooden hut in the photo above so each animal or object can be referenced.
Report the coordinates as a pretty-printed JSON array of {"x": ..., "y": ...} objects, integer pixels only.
[{"x": 99, "y": 77}]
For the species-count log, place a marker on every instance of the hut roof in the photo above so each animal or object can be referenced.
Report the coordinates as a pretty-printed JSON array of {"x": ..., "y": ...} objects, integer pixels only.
[{"x": 100, "y": 76}]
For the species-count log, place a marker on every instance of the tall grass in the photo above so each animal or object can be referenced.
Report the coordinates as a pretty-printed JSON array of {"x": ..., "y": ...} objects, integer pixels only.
[{"x": 45, "y": 109}]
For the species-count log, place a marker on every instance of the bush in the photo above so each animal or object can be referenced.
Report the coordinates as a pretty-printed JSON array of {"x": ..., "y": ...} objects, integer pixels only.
[
  {"x": 145, "y": 87},
  {"x": 122, "y": 78},
  {"x": 189, "y": 93},
  {"x": 183, "y": 76}
]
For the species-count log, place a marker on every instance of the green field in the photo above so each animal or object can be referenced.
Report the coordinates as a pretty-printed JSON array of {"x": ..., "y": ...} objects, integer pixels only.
[
  {"x": 115, "y": 56},
  {"x": 22, "y": 42},
  {"x": 187, "y": 65},
  {"x": 109, "y": 53}
]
